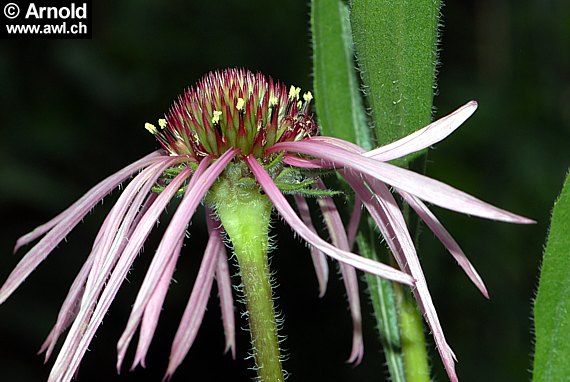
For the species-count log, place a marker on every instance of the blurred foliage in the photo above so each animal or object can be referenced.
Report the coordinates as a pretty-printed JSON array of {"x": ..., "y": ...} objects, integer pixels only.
[{"x": 73, "y": 112}]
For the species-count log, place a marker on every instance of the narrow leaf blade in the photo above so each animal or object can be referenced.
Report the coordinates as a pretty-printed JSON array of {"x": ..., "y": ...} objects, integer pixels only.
[{"x": 552, "y": 306}]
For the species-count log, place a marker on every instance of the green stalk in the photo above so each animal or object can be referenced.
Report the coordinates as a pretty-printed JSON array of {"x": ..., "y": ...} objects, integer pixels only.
[
  {"x": 245, "y": 215},
  {"x": 413, "y": 338}
]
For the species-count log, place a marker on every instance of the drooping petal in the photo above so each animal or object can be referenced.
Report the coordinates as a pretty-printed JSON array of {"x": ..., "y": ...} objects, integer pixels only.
[
  {"x": 91, "y": 198},
  {"x": 152, "y": 311},
  {"x": 68, "y": 310},
  {"x": 354, "y": 222},
  {"x": 319, "y": 260},
  {"x": 419, "y": 185},
  {"x": 93, "y": 310},
  {"x": 338, "y": 236},
  {"x": 287, "y": 212},
  {"x": 119, "y": 222},
  {"x": 71, "y": 305},
  {"x": 194, "y": 312},
  {"x": 224, "y": 282},
  {"x": 43, "y": 248},
  {"x": 161, "y": 264},
  {"x": 447, "y": 240},
  {"x": 385, "y": 211}
]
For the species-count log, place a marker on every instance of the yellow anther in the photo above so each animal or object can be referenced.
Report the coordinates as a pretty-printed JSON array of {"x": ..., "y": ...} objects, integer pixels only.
[
  {"x": 150, "y": 127},
  {"x": 307, "y": 97},
  {"x": 273, "y": 101},
  {"x": 294, "y": 92},
  {"x": 162, "y": 123},
  {"x": 299, "y": 104},
  {"x": 216, "y": 117},
  {"x": 240, "y": 104}
]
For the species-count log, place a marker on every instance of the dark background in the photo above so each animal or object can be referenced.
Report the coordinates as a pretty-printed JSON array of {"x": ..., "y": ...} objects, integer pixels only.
[{"x": 73, "y": 112}]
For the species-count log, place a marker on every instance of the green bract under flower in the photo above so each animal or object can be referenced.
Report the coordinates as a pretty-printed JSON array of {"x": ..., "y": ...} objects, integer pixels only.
[{"x": 234, "y": 108}]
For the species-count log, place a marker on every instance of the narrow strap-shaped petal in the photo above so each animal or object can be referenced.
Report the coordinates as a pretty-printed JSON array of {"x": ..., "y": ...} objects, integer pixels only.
[
  {"x": 224, "y": 282},
  {"x": 194, "y": 312},
  {"x": 319, "y": 260},
  {"x": 70, "y": 307},
  {"x": 419, "y": 140},
  {"x": 339, "y": 239},
  {"x": 153, "y": 309},
  {"x": 304, "y": 163},
  {"x": 91, "y": 198},
  {"x": 88, "y": 320},
  {"x": 354, "y": 222},
  {"x": 43, "y": 248},
  {"x": 385, "y": 211},
  {"x": 117, "y": 225},
  {"x": 287, "y": 212},
  {"x": 421, "y": 186},
  {"x": 424, "y": 138},
  {"x": 156, "y": 269},
  {"x": 446, "y": 239}
]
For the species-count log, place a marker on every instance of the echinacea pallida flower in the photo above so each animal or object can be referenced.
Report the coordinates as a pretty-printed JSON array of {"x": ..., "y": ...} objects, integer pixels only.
[{"x": 236, "y": 142}]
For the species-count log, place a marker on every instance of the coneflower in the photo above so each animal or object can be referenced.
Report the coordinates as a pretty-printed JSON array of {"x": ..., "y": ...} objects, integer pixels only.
[{"x": 236, "y": 142}]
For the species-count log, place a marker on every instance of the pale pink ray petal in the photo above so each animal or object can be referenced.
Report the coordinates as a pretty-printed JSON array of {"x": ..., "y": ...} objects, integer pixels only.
[
  {"x": 419, "y": 140},
  {"x": 287, "y": 212},
  {"x": 71, "y": 304},
  {"x": 303, "y": 162},
  {"x": 339, "y": 239},
  {"x": 121, "y": 216},
  {"x": 352, "y": 292},
  {"x": 318, "y": 257},
  {"x": 43, "y": 248},
  {"x": 354, "y": 222},
  {"x": 68, "y": 310},
  {"x": 153, "y": 276},
  {"x": 131, "y": 218},
  {"x": 70, "y": 307},
  {"x": 224, "y": 282},
  {"x": 385, "y": 211},
  {"x": 424, "y": 138},
  {"x": 447, "y": 240},
  {"x": 194, "y": 312},
  {"x": 153, "y": 309},
  {"x": 88, "y": 320},
  {"x": 91, "y": 198},
  {"x": 419, "y": 185}
]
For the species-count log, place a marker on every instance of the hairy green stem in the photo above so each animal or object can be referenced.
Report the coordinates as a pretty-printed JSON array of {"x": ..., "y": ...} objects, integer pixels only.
[
  {"x": 412, "y": 337},
  {"x": 254, "y": 271},
  {"x": 245, "y": 215}
]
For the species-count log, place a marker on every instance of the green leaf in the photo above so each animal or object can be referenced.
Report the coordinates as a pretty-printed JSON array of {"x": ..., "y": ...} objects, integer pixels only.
[
  {"x": 552, "y": 306},
  {"x": 338, "y": 100},
  {"x": 396, "y": 45}
]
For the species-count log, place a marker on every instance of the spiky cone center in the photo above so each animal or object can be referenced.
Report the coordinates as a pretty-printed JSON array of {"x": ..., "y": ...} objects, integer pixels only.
[{"x": 234, "y": 108}]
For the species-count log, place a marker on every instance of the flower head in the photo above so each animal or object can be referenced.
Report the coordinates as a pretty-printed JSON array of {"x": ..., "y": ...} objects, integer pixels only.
[
  {"x": 242, "y": 129},
  {"x": 235, "y": 109}
]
